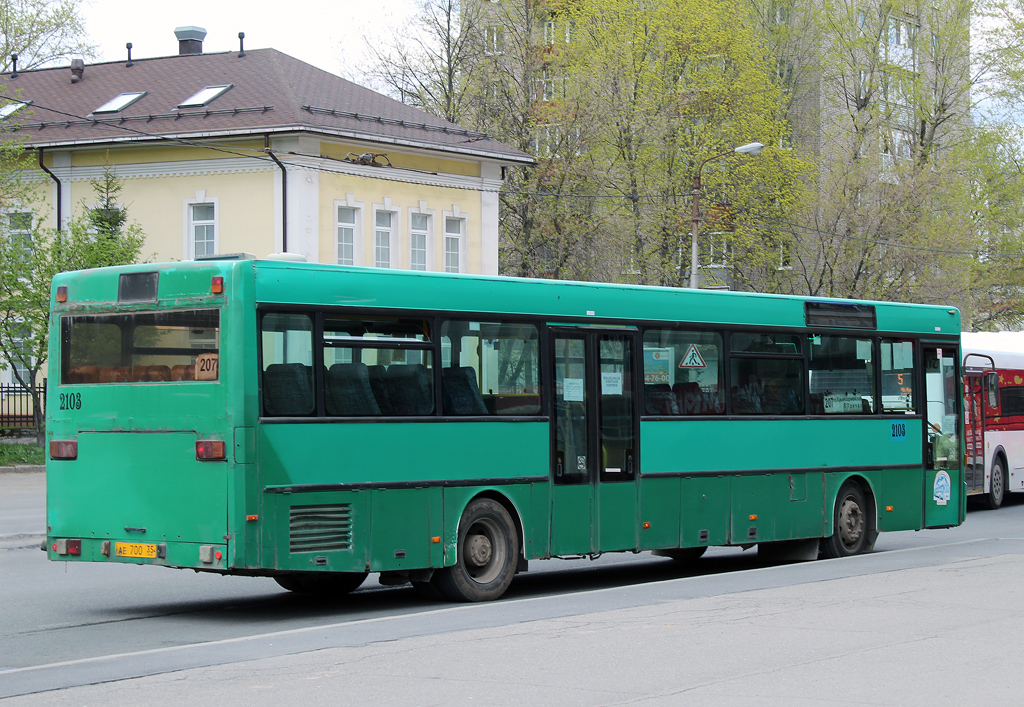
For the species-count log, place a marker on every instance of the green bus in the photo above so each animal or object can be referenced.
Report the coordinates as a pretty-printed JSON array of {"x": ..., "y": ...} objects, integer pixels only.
[{"x": 314, "y": 423}]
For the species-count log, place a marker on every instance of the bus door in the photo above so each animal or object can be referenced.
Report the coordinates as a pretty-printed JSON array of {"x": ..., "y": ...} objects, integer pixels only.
[
  {"x": 980, "y": 383},
  {"x": 594, "y": 434},
  {"x": 943, "y": 396}
]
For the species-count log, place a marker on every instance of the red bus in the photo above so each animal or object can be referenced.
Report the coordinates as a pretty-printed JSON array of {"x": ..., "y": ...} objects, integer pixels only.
[{"x": 993, "y": 370}]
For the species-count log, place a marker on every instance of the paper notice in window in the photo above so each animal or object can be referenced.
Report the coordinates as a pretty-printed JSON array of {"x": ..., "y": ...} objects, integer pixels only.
[
  {"x": 572, "y": 390},
  {"x": 863, "y": 350},
  {"x": 611, "y": 383}
]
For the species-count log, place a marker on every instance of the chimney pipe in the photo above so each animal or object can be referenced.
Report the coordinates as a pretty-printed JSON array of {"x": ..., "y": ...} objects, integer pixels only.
[
  {"x": 14, "y": 66},
  {"x": 190, "y": 39},
  {"x": 241, "y": 44},
  {"x": 77, "y": 70},
  {"x": 130, "y": 63}
]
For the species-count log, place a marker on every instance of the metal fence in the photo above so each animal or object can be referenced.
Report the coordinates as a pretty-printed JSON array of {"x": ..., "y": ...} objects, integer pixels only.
[{"x": 16, "y": 405}]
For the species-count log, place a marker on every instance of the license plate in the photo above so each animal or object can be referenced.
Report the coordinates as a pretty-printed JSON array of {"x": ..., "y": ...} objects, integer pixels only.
[{"x": 135, "y": 550}]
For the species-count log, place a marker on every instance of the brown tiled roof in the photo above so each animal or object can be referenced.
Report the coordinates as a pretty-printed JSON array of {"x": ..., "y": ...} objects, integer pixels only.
[{"x": 271, "y": 92}]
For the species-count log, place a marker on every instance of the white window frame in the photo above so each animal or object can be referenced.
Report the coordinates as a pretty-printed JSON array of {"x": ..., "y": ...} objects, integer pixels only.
[
  {"x": 494, "y": 39},
  {"x": 8, "y": 232},
  {"x": 351, "y": 228},
  {"x": 460, "y": 239},
  {"x": 428, "y": 236},
  {"x": 8, "y": 377},
  {"x": 189, "y": 247},
  {"x": 392, "y": 233},
  {"x": 358, "y": 235}
]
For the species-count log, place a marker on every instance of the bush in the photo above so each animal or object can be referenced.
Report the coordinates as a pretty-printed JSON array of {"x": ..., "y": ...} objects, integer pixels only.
[{"x": 12, "y": 453}]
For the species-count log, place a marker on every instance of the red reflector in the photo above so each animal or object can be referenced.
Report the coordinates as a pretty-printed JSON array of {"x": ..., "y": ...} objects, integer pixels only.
[
  {"x": 217, "y": 285},
  {"x": 211, "y": 449},
  {"x": 62, "y": 293},
  {"x": 63, "y": 449},
  {"x": 75, "y": 547}
]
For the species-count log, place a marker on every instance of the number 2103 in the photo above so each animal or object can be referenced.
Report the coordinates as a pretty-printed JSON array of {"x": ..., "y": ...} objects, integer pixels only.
[{"x": 70, "y": 401}]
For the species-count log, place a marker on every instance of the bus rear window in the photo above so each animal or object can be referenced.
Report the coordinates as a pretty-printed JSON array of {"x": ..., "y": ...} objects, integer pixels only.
[{"x": 141, "y": 347}]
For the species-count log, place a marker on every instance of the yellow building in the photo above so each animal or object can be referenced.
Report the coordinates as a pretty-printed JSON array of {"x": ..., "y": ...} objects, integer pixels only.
[{"x": 255, "y": 151}]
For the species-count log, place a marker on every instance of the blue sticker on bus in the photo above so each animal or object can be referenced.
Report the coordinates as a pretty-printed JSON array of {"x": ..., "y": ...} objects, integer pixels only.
[
  {"x": 942, "y": 489},
  {"x": 898, "y": 431}
]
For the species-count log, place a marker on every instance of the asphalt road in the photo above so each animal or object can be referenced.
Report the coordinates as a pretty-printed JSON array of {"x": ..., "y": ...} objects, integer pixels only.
[{"x": 76, "y": 624}]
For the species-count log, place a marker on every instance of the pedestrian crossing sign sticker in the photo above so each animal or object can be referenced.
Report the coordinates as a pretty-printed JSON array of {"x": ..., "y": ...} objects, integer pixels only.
[{"x": 692, "y": 358}]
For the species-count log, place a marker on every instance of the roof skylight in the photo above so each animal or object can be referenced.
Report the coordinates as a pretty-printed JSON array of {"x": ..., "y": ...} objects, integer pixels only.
[
  {"x": 207, "y": 95},
  {"x": 11, "y": 108},
  {"x": 118, "y": 104}
]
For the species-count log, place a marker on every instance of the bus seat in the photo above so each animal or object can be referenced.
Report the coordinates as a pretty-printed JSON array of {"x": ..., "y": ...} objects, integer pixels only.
[
  {"x": 379, "y": 386},
  {"x": 286, "y": 389},
  {"x": 83, "y": 374},
  {"x": 690, "y": 397},
  {"x": 660, "y": 400},
  {"x": 115, "y": 374},
  {"x": 182, "y": 372},
  {"x": 348, "y": 390},
  {"x": 460, "y": 394},
  {"x": 410, "y": 389},
  {"x": 158, "y": 373}
]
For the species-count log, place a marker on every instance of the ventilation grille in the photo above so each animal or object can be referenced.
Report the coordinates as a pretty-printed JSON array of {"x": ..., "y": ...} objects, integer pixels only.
[{"x": 320, "y": 528}]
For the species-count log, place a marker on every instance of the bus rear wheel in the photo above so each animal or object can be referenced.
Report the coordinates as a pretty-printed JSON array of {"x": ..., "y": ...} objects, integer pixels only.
[
  {"x": 321, "y": 584},
  {"x": 487, "y": 551},
  {"x": 853, "y": 528},
  {"x": 997, "y": 490}
]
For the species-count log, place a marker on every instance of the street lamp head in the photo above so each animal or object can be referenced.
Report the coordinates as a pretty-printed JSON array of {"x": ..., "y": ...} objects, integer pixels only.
[{"x": 753, "y": 149}]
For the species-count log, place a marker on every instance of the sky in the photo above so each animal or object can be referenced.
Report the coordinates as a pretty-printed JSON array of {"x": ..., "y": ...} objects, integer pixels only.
[{"x": 326, "y": 33}]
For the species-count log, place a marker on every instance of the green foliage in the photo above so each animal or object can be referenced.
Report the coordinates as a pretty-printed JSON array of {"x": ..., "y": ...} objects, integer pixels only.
[
  {"x": 18, "y": 453},
  {"x": 41, "y": 32},
  {"x": 26, "y": 270},
  {"x": 665, "y": 90}
]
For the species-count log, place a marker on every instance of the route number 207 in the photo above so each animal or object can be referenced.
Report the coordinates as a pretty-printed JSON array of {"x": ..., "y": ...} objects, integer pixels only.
[{"x": 70, "y": 401}]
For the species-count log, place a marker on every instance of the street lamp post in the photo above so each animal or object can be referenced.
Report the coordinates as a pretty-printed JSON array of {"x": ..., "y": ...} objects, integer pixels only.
[{"x": 753, "y": 149}]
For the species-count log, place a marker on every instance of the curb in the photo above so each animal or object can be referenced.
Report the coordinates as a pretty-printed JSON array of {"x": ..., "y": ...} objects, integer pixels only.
[{"x": 23, "y": 469}]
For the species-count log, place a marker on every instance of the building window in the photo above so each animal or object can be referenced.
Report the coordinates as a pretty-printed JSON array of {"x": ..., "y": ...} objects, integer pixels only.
[
  {"x": 549, "y": 32},
  {"x": 382, "y": 239},
  {"x": 346, "y": 235},
  {"x": 494, "y": 39},
  {"x": 18, "y": 372},
  {"x": 203, "y": 229},
  {"x": 419, "y": 227},
  {"x": 18, "y": 228},
  {"x": 452, "y": 244}
]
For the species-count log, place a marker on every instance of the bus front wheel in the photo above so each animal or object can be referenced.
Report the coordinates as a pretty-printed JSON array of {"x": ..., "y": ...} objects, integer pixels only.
[
  {"x": 487, "y": 552},
  {"x": 321, "y": 584},
  {"x": 853, "y": 527},
  {"x": 997, "y": 488}
]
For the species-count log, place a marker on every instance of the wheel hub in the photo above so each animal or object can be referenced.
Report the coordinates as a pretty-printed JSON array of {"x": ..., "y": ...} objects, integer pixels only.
[
  {"x": 479, "y": 550},
  {"x": 851, "y": 522}
]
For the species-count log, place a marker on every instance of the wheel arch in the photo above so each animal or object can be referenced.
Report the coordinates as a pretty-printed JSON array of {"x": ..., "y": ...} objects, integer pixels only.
[
  {"x": 507, "y": 503},
  {"x": 1000, "y": 453},
  {"x": 866, "y": 488}
]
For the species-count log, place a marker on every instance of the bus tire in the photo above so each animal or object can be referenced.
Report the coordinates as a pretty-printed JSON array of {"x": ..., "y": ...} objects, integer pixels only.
[
  {"x": 486, "y": 554},
  {"x": 321, "y": 584},
  {"x": 682, "y": 554},
  {"x": 997, "y": 489},
  {"x": 853, "y": 526}
]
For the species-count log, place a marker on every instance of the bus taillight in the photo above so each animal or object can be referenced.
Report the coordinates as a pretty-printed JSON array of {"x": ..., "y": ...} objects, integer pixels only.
[
  {"x": 211, "y": 449},
  {"x": 63, "y": 449},
  {"x": 217, "y": 285}
]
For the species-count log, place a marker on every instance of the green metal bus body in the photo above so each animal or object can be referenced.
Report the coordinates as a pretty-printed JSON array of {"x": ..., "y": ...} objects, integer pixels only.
[{"x": 177, "y": 437}]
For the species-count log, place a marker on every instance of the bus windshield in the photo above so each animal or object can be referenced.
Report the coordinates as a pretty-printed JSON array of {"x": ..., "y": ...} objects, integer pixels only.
[{"x": 141, "y": 347}]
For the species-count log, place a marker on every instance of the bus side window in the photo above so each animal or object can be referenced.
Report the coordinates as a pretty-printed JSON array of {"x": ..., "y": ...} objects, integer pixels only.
[
  {"x": 287, "y": 385},
  {"x": 490, "y": 368}
]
